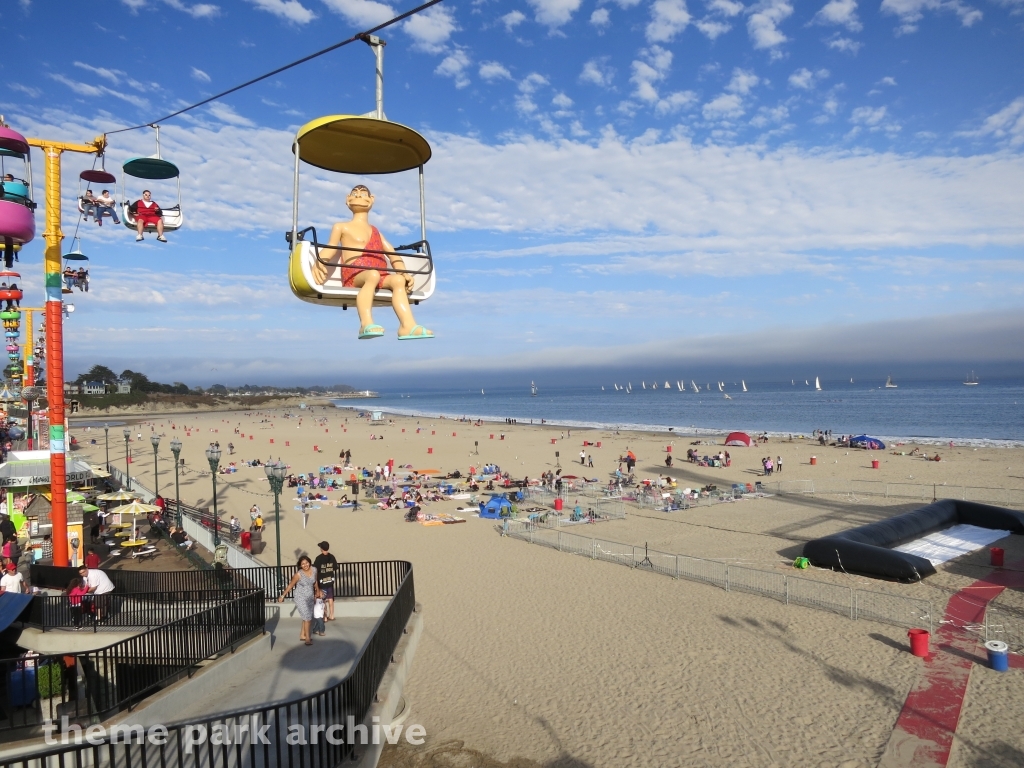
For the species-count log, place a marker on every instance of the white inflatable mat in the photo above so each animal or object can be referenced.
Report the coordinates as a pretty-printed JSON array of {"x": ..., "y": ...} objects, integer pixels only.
[{"x": 942, "y": 546}]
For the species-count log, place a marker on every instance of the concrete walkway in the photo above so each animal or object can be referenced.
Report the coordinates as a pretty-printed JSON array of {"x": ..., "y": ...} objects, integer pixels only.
[{"x": 274, "y": 668}]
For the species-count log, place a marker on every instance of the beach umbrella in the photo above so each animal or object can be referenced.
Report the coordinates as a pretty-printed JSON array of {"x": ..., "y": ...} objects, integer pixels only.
[
  {"x": 134, "y": 509},
  {"x": 89, "y": 508},
  {"x": 98, "y": 471},
  {"x": 75, "y": 497},
  {"x": 118, "y": 496}
]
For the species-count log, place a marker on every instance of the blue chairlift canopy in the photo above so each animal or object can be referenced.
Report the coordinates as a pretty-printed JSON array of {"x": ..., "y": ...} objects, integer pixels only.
[{"x": 150, "y": 168}]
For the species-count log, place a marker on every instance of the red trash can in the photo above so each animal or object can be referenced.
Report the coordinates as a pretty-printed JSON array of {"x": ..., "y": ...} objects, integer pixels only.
[
  {"x": 558, "y": 505},
  {"x": 874, "y": 463},
  {"x": 246, "y": 541},
  {"x": 919, "y": 639},
  {"x": 997, "y": 556}
]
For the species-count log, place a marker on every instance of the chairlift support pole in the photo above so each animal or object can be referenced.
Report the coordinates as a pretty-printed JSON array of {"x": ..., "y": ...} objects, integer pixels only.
[{"x": 55, "y": 336}]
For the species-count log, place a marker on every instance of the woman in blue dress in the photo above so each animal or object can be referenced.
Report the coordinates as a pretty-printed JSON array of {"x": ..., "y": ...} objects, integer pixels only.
[{"x": 306, "y": 590}]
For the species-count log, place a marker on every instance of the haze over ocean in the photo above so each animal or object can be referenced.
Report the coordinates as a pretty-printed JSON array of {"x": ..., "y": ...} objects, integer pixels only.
[{"x": 924, "y": 411}]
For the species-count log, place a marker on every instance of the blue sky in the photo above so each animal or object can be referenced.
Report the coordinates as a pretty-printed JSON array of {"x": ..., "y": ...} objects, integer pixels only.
[{"x": 613, "y": 183}]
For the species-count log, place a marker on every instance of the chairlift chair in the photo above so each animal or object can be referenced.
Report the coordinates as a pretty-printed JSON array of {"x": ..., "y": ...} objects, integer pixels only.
[
  {"x": 75, "y": 254},
  {"x": 366, "y": 145},
  {"x": 94, "y": 176},
  {"x": 17, "y": 209},
  {"x": 153, "y": 168}
]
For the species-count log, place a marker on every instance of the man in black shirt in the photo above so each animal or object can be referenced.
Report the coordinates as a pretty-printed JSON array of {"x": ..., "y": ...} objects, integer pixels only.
[{"x": 326, "y": 566}]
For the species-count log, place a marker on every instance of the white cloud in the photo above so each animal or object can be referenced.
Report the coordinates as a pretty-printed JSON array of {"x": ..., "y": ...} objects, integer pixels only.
[
  {"x": 289, "y": 10},
  {"x": 454, "y": 65},
  {"x": 887, "y": 81},
  {"x": 770, "y": 116},
  {"x": 112, "y": 75},
  {"x": 34, "y": 93},
  {"x": 134, "y": 5},
  {"x": 1007, "y": 124},
  {"x": 561, "y": 101},
  {"x": 869, "y": 116},
  {"x": 828, "y": 110},
  {"x": 512, "y": 20},
  {"x": 87, "y": 89},
  {"x": 843, "y": 44},
  {"x": 711, "y": 28},
  {"x": 492, "y": 70},
  {"x": 763, "y": 24},
  {"x": 674, "y": 102},
  {"x": 668, "y": 19},
  {"x": 600, "y": 18},
  {"x": 652, "y": 68},
  {"x": 197, "y": 11},
  {"x": 841, "y": 13},
  {"x": 910, "y": 12},
  {"x": 362, "y": 13},
  {"x": 554, "y": 13},
  {"x": 431, "y": 29},
  {"x": 730, "y": 105},
  {"x": 724, "y": 106},
  {"x": 227, "y": 114},
  {"x": 598, "y": 72},
  {"x": 198, "y": 74},
  {"x": 727, "y": 8},
  {"x": 805, "y": 80},
  {"x": 743, "y": 81}
]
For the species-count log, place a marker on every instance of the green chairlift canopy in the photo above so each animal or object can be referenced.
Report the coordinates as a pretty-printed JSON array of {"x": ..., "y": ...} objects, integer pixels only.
[{"x": 150, "y": 168}]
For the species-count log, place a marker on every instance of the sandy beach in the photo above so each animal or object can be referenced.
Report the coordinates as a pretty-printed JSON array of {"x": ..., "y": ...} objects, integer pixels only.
[{"x": 555, "y": 660}]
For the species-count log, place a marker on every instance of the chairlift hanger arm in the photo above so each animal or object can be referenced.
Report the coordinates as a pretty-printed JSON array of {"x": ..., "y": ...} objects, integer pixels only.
[{"x": 414, "y": 248}]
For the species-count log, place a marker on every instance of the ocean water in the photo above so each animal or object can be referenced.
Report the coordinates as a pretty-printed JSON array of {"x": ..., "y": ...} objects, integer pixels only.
[{"x": 935, "y": 412}]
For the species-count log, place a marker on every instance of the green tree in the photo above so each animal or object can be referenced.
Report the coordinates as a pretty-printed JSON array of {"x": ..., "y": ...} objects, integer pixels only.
[
  {"x": 218, "y": 389},
  {"x": 97, "y": 373}
]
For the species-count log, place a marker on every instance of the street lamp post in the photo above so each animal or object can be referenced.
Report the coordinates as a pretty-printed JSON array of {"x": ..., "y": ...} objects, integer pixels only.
[
  {"x": 275, "y": 474},
  {"x": 29, "y": 395},
  {"x": 176, "y": 450},
  {"x": 127, "y": 469},
  {"x": 213, "y": 456},
  {"x": 155, "y": 440},
  {"x": 106, "y": 443}
]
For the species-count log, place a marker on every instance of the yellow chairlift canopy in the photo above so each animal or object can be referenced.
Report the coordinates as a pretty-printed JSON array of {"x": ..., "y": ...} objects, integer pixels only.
[{"x": 353, "y": 144}]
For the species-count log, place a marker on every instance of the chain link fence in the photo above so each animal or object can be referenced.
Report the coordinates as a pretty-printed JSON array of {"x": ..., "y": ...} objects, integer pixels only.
[
  {"x": 1003, "y": 497},
  {"x": 853, "y": 603}
]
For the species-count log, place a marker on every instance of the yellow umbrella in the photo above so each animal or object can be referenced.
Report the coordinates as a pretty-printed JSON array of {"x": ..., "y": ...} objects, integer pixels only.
[
  {"x": 98, "y": 471},
  {"x": 134, "y": 509},
  {"x": 118, "y": 496}
]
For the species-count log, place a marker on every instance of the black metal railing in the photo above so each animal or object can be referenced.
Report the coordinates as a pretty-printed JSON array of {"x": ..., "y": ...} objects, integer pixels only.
[
  {"x": 43, "y": 688},
  {"x": 123, "y": 609},
  {"x": 330, "y": 708},
  {"x": 366, "y": 579}
]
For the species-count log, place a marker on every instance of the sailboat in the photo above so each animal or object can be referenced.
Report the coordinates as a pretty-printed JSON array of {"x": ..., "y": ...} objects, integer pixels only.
[
  {"x": 667, "y": 385},
  {"x": 533, "y": 389},
  {"x": 851, "y": 379},
  {"x": 972, "y": 380},
  {"x": 629, "y": 388},
  {"x": 654, "y": 385},
  {"x": 807, "y": 383},
  {"x": 817, "y": 384},
  {"x": 680, "y": 387},
  {"x": 888, "y": 382},
  {"x": 720, "y": 387},
  {"x": 744, "y": 385},
  {"x": 694, "y": 385},
  {"x": 602, "y": 387},
  {"x": 707, "y": 387},
  {"x": 481, "y": 391},
  {"x": 792, "y": 382},
  {"x": 642, "y": 384}
]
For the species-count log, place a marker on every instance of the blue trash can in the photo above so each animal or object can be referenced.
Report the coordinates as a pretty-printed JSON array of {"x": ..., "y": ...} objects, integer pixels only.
[
  {"x": 21, "y": 687},
  {"x": 998, "y": 655}
]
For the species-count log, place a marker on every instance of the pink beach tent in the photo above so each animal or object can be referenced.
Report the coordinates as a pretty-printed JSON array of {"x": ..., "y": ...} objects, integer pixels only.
[{"x": 738, "y": 438}]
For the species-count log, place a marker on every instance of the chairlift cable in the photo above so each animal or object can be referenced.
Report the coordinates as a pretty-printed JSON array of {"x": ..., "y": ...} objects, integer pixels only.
[{"x": 354, "y": 38}]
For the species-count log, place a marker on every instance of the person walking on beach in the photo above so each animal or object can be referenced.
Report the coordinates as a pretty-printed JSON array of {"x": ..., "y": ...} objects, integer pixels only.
[
  {"x": 778, "y": 463},
  {"x": 326, "y": 566},
  {"x": 583, "y": 457},
  {"x": 306, "y": 590},
  {"x": 590, "y": 462}
]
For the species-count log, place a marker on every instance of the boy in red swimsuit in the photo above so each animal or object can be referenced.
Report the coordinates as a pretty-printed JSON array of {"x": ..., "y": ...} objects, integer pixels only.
[
  {"x": 148, "y": 214},
  {"x": 361, "y": 236}
]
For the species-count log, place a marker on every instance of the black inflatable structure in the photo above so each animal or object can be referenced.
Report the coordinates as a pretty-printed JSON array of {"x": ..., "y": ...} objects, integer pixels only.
[{"x": 867, "y": 549}]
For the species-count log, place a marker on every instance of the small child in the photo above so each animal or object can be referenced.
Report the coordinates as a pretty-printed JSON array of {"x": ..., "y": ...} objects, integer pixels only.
[{"x": 319, "y": 626}]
